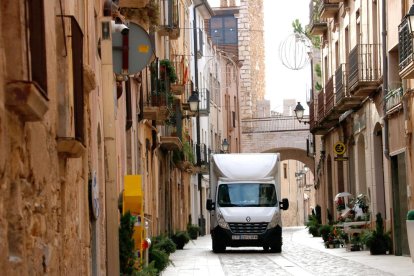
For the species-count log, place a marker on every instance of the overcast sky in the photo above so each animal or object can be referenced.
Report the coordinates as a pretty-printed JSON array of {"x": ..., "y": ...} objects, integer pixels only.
[{"x": 281, "y": 82}]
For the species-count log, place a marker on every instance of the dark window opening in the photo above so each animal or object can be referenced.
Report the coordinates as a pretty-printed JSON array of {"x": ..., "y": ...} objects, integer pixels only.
[
  {"x": 77, "y": 64},
  {"x": 37, "y": 44}
]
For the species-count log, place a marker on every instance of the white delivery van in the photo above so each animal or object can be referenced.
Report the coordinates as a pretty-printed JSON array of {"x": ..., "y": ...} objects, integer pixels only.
[{"x": 244, "y": 202}]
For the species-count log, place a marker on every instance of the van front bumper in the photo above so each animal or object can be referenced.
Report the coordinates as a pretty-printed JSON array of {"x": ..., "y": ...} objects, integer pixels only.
[{"x": 270, "y": 238}]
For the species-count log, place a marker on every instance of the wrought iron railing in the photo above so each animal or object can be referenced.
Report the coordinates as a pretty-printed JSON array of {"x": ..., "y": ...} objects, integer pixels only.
[
  {"x": 405, "y": 44},
  {"x": 321, "y": 105},
  {"x": 364, "y": 64},
  {"x": 341, "y": 88},
  {"x": 273, "y": 124},
  {"x": 329, "y": 95},
  {"x": 393, "y": 98},
  {"x": 312, "y": 116}
]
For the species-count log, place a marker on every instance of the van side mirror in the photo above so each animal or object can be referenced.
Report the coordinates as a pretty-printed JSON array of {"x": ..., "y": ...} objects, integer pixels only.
[
  {"x": 284, "y": 204},
  {"x": 210, "y": 205}
]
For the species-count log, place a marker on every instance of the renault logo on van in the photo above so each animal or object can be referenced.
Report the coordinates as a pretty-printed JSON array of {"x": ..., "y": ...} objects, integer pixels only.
[{"x": 248, "y": 219}]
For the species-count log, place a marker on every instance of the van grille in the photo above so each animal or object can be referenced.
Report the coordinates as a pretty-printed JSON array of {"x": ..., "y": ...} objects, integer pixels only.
[{"x": 248, "y": 228}]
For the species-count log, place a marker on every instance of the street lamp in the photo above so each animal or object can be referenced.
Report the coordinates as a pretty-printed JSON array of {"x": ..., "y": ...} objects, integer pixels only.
[
  {"x": 299, "y": 113},
  {"x": 410, "y": 17},
  {"x": 194, "y": 102},
  {"x": 225, "y": 145}
]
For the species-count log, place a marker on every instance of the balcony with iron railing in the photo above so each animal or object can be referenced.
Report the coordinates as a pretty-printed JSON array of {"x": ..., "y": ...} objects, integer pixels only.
[
  {"x": 170, "y": 22},
  {"x": 322, "y": 120},
  {"x": 181, "y": 71},
  {"x": 405, "y": 50},
  {"x": 170, "y": 138},
  {"x": 393, "y": 99},
  {"x": 331, "y": 112},
  {"x": 204, "y": 158},
  {"x": 321, "y": 105},
  {"x": 365, "y": 69},
  {"x": 312, "y": 116},
  {"x": 329, "y": 96},
  {"x": 317, "y": 25},
  {"x": 328, "y": 8},
  {"x": 157, "y": 99},
  {"x": 344, "y": 100}
]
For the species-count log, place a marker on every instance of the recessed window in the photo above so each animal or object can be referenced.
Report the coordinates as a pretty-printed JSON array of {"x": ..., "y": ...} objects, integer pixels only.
[{"x": 37, "y": 44}]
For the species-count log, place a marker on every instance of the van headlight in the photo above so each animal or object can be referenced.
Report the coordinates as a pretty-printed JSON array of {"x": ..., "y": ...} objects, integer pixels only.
[
  {"x": 275, "y": 221},
  {"x": 221, "y": 222}
]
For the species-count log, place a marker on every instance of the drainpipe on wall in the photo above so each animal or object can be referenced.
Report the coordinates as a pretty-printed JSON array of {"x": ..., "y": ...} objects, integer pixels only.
[
  {"x": 385, "y": 78},
  {"x": 111, "y": 193}
]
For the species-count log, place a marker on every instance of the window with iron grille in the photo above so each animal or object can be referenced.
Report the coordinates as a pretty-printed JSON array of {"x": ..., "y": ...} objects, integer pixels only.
[
  {"x": 405, "y": 45},
  {"x": 37, "y": 43}
]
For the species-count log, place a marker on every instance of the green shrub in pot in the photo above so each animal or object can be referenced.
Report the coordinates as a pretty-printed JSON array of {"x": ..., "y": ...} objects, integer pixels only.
[
  {"x": 410, "y": 215},
  {"x": 410, "y": 232}
]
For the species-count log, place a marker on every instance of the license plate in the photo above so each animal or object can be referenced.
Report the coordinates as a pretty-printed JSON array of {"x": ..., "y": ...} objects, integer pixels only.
[{"x": 244, "y": 237}]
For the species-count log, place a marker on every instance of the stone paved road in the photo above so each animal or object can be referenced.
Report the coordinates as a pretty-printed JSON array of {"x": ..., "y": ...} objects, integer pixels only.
[
  {"x": 296, "y": 259},
  {"x": 301, "y": 255}
]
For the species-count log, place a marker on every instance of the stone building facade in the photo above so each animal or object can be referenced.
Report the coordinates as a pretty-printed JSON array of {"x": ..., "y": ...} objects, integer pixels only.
[
  {"x": 72, "y": 128},
  {"x": 370, "y": 114},
  {"x": 252, "y": 56}
]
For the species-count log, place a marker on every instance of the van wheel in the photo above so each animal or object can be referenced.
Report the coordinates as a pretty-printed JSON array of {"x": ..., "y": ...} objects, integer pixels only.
[
  {"x": 276, "y": 249},
  {"x": 218, "y": 247}
]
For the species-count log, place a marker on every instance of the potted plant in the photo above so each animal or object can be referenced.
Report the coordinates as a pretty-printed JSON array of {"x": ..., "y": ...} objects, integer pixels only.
[
  {"x": 193, "y": 230},
  {"x": 325, "y": 231},
  {"x": 410, "y": 232},
  {"x": 167, "y": 70},
  {"x": 180, "y": 238},
  {"x": 378, "y": 241}
]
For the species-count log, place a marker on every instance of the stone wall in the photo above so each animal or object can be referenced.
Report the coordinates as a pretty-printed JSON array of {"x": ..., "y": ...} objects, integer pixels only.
[
  {"x": 44, "y": 209},
  {"x": 251, "y": 53}
]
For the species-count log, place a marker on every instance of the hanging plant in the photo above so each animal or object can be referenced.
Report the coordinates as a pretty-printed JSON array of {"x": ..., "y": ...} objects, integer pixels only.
[{"x": 165, "y": 64}]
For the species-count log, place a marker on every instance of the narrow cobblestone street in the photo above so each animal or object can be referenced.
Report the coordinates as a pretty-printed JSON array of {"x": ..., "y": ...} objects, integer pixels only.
[{"x": 301, "y": 255}]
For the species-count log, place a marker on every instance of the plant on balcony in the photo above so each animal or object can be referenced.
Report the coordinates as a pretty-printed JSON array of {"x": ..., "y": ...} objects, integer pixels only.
[
  {"x": 171, "y": 119},
  {"x": 167, "y": 69},
  {"x": 186, "y": 154}
]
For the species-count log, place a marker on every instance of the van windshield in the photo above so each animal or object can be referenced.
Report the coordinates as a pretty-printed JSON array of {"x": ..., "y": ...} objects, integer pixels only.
[{"x": 247, "y": 195}]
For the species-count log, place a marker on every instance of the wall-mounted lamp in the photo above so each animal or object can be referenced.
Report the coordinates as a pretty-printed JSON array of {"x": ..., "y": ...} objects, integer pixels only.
[
  {"x": 225, "y": 145},
  {"x": 410, "y": 17},
  {"x": 302, "y": 172},
  {"x": 299, "y": 113},
  {"x": 193, "y": 101}
]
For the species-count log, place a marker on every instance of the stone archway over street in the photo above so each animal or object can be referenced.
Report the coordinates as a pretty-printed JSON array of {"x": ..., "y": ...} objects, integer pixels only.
[{"x": 282, "y": 134}]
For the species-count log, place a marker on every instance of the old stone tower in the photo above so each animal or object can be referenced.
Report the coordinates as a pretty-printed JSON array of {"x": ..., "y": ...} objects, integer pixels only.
[{"x": 252, "y": 54}]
